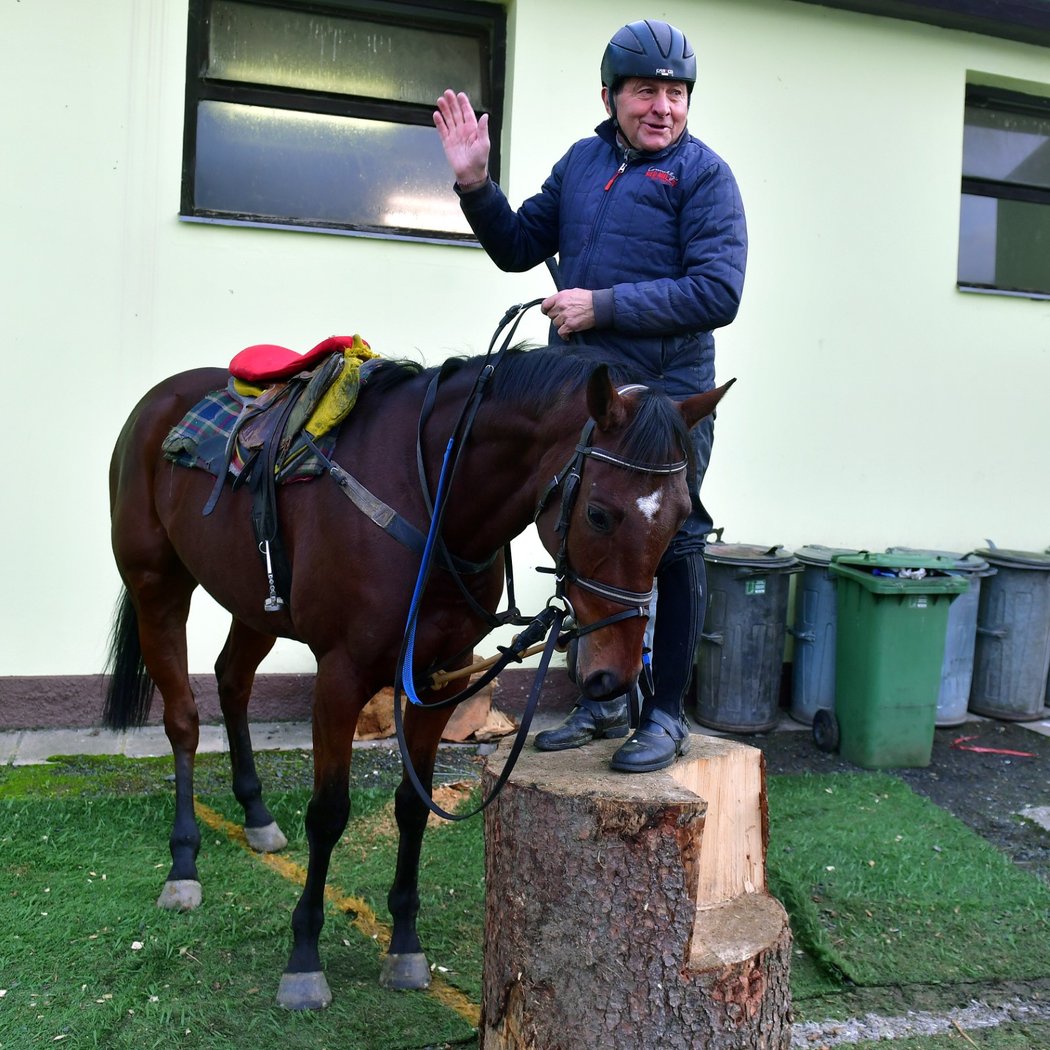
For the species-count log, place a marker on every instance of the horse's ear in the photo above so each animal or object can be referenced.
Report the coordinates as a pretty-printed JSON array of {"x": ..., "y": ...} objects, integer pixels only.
[
  {"x": 605, "y": 405},
  {"x": 700, "y": 406}
]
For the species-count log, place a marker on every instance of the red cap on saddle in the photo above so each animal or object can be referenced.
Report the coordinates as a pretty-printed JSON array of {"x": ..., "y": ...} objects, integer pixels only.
[{"x": 267, "y": 363}]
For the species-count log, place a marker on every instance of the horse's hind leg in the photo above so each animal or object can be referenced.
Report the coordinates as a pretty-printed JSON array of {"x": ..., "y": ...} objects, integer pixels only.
[
  {"x": 405, "y": 965},
  {"x": 162, "y": 600},
  {"x": 235, "y": 671}
]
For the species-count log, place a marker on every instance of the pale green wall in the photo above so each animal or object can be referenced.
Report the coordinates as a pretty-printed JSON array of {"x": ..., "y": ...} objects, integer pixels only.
[{"x": 876, "y": 404}]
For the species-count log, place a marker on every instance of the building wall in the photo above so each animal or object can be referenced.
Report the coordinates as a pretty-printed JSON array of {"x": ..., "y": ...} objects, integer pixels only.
[{"x": 876, "y": 404}]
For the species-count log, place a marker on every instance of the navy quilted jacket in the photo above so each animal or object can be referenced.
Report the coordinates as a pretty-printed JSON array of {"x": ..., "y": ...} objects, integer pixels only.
[{"x": 662, "y": 243}]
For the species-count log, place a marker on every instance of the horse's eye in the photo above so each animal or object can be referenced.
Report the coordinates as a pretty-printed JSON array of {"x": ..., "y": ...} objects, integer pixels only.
[{"x": 599, "y": 519}]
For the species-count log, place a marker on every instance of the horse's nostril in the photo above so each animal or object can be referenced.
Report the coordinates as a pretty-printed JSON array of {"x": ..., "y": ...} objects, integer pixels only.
[{"x": 602, "y": 685}]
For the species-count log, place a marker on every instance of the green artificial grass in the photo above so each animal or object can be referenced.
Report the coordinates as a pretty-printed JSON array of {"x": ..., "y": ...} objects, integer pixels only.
[
  {"x": 885, "y": 888},
  {"x": 886, "y": 893},
  {"x": 86, "y": 957}
]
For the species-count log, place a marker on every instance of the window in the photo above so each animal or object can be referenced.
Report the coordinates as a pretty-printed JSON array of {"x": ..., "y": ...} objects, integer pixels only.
[
  {"x": 1004, "y": 229},
  {"x": 319, "y": 115}
]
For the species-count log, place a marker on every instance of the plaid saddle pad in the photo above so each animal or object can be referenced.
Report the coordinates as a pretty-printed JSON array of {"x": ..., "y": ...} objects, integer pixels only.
[{"x": 199, "y": 440}]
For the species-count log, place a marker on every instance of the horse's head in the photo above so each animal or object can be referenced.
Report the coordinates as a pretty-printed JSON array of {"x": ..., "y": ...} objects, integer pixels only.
[{"x": 611, "y": 514}]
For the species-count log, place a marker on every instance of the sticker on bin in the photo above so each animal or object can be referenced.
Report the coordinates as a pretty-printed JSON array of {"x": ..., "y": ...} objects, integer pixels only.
[
  {"x": 755, "y": 586},
  {"x": 919, "y": 602}
]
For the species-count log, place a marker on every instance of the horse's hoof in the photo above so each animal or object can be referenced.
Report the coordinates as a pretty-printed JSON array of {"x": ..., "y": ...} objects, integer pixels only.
[
  {"x": 269, "y": 839},
  {"x": 180, "y": 895},
  {"x": 408, "y": 971},
  {"x": 304, "y": 991}
]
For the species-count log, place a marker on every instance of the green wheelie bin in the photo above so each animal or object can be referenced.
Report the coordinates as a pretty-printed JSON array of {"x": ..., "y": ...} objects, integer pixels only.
[{"x": 892, "y": 620}]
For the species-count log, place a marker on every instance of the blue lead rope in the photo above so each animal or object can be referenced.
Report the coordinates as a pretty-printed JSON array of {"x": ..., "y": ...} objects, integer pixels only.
[
  {"x": 514, "y": 314},
  {"x": 407, "y": 677}
]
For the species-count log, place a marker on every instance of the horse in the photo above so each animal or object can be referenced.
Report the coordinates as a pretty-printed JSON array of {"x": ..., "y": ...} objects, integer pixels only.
[{"x": 609, "y": 518}]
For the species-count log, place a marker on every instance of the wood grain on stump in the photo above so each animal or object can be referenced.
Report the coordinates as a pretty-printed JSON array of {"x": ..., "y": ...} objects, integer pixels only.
[{"x": 630, "y": 910}]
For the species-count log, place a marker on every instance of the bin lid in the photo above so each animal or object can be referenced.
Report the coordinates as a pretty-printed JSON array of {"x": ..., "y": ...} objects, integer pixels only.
[
  {"x": 963, "y": 562},
  {"x": 1016, "y": 559},
  {"x": 817, "y": 554},
  {"x": 878, "y": 573},
  {"x": 753, "y": 555}
]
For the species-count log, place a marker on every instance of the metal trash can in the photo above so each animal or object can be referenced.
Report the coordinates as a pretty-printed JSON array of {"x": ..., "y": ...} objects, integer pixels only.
[
  {"x": 960, "y": 640},
  {"x": 741, "y": 654},
  {"x": 892, "y": 622},
  {"x": 813, "y": 666},
  {"x": 1012, "y": 654}
]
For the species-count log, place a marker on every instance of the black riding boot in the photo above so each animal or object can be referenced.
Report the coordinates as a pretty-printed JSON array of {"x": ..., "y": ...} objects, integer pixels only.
[
  {"x": 589, "y": 720},
  {"x": 663, "y": 733}
]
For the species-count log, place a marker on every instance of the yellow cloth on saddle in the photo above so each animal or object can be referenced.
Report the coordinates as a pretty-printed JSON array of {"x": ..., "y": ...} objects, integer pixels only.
[{"x": 341, "y": 396}]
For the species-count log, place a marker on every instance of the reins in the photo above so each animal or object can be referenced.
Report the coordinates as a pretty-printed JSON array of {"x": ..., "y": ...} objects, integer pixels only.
[
  {"x": 548, "y": 622},
  {"x": 450, "y": 463}
]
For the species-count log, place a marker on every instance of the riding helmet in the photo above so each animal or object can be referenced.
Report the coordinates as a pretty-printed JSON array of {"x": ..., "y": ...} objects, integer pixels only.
[{"x": 649, "y": 49}]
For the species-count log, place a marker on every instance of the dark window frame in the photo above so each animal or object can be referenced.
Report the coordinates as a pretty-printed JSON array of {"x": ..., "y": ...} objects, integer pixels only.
[
  {"x": 1005, "y": 101},
  {"x": 486, "y": 21}
]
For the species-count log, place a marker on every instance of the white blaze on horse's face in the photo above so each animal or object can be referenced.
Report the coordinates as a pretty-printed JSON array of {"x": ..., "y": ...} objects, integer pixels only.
[{"x": 650, "y": 505}]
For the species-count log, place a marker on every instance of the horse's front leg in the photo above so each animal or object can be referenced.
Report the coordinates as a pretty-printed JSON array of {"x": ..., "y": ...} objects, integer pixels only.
[
  {"x": 337, "y": 704},
  {"x": 405, "y": 965},
  {"x": 235, "y": 671}
]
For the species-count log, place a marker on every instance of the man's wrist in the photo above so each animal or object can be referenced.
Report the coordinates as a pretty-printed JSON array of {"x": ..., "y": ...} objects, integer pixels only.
[{"x": 476, "y": 184}]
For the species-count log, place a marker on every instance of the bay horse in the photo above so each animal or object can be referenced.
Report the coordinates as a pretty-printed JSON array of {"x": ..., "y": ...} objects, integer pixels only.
[{"x": 351, "y": 582}]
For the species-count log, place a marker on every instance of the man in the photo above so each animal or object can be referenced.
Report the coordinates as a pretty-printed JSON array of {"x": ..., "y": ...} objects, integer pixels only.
[{"x": 649, "y": 228}]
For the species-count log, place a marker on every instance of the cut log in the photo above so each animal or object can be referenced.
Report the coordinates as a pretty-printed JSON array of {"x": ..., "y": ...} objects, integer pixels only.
[{"x": 630, "y": 910}]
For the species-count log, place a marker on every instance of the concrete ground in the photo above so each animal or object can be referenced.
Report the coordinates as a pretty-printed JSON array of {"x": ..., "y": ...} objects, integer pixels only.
[{"x": 23, "y": 747}]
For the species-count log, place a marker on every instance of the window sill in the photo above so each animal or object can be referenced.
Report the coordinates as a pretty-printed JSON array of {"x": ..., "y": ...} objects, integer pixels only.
[
  {"x": 420, "y": 237},
  {"x": 975, "y": 289}
]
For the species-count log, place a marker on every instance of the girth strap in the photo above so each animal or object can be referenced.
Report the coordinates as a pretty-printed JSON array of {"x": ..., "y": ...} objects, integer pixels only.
[{"x": 387, "y": 518}]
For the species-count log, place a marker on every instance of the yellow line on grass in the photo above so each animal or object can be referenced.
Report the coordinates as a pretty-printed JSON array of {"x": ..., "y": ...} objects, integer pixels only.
[{"x": 364, "y": 919}]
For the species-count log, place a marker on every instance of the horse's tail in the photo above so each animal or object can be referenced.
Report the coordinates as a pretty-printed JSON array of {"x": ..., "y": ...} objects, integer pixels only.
[{"x": 130, "y": 688}]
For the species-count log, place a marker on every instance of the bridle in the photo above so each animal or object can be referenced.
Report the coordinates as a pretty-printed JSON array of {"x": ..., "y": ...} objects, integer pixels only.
[{"x": 568, "y": 479}]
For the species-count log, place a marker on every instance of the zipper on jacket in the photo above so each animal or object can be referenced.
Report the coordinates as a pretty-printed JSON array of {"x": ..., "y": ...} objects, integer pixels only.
[
  {"x": 619, "y": 171},
  {"x": 629, "y": 154}
]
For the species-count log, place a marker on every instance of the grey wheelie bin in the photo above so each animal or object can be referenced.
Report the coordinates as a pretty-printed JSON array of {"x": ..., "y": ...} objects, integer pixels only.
[
  {"x": 741, "y": 653},
  {"x": 1012, "y": 654},
  {"x": 813, "y": 666}
]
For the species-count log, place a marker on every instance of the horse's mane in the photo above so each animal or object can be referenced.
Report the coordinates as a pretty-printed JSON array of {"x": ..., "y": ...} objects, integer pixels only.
[{"x": 531, "y": 375}]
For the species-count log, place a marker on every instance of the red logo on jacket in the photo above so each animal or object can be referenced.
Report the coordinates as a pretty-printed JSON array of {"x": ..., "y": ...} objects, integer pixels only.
[{"x": 662, "y": 176}]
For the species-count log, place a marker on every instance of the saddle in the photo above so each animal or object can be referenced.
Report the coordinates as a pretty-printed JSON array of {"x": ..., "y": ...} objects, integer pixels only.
[
  {"x": 285, "y": 396},
  {"x": 262, "y": 429}
]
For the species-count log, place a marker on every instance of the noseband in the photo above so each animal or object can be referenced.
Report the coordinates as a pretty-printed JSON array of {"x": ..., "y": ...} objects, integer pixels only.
[{"x": 568, "y": 479}]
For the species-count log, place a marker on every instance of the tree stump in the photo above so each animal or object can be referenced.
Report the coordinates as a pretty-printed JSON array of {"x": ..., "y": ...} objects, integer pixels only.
[{"x": 630, "y": 910}]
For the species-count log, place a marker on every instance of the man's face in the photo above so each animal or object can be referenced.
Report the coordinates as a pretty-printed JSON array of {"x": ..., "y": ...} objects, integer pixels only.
[{"x": 651, "y": 113}]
